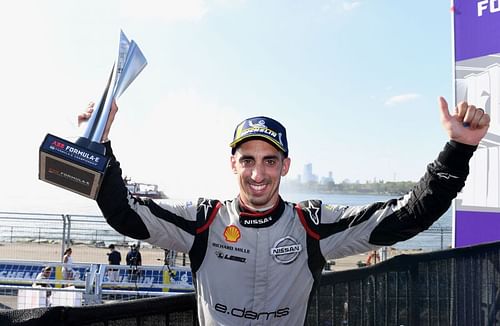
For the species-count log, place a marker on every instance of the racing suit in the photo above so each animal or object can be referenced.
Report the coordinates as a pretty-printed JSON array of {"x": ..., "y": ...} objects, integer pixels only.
[{"x": 261, "y": 268}]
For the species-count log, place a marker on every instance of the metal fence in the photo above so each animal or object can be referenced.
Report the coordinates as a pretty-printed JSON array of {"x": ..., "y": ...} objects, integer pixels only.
[
  {"x": 25, "y": 285},
  {"x": 450, "y": 287},
  {"x": 64, "y": 230}
]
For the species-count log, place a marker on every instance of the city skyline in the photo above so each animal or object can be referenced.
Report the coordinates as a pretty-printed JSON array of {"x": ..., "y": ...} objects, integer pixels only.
[{"x": 308, "y": 175}]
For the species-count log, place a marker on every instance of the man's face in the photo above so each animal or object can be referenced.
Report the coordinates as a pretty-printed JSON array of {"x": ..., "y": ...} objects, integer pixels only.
[{"x": 259, "y": 167}]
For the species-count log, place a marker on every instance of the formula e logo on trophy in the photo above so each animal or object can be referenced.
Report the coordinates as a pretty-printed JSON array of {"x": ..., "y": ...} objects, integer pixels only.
[{"x": 80, "y": 166}]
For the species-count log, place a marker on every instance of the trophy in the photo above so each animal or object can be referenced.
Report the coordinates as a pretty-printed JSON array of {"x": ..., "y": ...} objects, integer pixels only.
[{"x": 80, "y": 166}]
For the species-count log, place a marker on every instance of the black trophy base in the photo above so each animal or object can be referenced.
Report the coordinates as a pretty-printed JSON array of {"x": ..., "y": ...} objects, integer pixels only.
[{"x": 71, "y": 166}]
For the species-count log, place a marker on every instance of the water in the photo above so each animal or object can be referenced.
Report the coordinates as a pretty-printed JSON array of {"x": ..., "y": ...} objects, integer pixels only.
[{"x": 428, "y": 240}]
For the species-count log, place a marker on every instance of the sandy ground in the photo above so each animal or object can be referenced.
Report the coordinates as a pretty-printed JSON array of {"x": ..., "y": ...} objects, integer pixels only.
[{"x": 150, "y": 256}]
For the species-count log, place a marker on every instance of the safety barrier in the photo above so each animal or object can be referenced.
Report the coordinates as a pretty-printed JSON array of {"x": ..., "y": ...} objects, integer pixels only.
[
  {"x": 451, "y": 287},
  {"x": 23, "y": 284}
]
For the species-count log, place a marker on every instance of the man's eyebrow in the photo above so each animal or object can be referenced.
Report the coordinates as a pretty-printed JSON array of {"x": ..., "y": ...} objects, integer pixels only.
[
  {"x": 271, "y": 157},
  {"x": 246, "y": 157}
]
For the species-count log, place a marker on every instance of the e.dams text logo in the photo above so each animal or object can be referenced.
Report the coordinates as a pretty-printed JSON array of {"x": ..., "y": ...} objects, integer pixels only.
[{"x": 252, "y": 315}]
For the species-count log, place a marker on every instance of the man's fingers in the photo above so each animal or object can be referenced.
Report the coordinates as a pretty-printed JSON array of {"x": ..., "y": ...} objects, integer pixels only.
[
  {"x": 461, "y": 110},
  {"x": 443, "y": 106},
  {"x": 484, "y": 121},
  {"x": 468, "y": 118},
  {"x": 480, "y": 119},
  {"x": 83, "y": 117}
]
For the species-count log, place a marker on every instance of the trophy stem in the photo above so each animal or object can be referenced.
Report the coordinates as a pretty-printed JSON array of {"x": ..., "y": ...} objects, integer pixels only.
[{"x": 97, "y": 115}]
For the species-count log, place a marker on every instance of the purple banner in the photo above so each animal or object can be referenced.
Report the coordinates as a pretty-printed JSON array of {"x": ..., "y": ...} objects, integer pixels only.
[
  {"x": 476, "y": 227},
  {"x": 477, "y": 28}
]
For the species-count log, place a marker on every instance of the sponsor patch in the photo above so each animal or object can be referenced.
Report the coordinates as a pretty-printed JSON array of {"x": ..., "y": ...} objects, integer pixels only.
[
  {"x": 232, "y": 233},
  {"x": 312, "y": 212},
  {"x": 229, "y": 247},
  {"x": 222, "y": 255},
  {"x": 286, "y": 250}
]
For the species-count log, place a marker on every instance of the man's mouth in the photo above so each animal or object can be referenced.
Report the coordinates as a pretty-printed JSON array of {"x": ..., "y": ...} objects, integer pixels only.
[{"x": 258, "y": 187}]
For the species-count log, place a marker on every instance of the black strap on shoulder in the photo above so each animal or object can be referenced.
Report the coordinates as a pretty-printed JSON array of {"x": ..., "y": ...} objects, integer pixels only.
[
  {"x": 309, "y": 212},
  {"x": 206, "y": 211}
]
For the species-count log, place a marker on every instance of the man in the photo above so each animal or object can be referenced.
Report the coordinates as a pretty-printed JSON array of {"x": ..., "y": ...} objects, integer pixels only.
[
  {"x": 43, "y": 277},
  {"x": 257, "y": 258},
  {"x": 133, "y": 259},
  {"x": 114, "y": 258}
]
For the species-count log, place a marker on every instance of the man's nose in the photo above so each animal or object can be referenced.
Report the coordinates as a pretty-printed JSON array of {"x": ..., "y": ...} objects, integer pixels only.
[{"x": 258, "y": 173}]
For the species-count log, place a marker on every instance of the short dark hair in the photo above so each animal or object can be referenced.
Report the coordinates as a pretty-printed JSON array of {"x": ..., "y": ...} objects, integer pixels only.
[{"x": 111, "y": 246}]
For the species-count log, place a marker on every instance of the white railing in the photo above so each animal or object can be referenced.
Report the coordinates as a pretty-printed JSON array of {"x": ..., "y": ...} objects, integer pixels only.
[{"x": 20, "y": 288}]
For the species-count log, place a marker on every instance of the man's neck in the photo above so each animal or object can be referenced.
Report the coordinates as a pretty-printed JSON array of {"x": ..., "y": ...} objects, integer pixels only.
[{"x": 249, "y": 207}]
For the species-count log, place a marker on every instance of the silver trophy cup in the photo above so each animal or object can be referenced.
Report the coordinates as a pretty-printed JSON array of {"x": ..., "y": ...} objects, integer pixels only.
[{"x": 80, "y": 166}]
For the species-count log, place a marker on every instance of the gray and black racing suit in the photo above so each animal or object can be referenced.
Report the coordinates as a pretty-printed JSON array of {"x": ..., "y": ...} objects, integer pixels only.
[{"x": 261, "y": 268}]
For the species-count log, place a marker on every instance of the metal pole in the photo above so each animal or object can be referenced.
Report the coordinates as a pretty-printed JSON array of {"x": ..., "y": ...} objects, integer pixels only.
[
  {"x": 63, "y": 236},
  {"x": 68, "y": 238},
  {"x": 442, "y": 238}
]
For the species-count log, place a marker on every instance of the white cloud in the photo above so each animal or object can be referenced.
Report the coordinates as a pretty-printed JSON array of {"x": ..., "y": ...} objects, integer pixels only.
[
  {"x": 403, "y": 98},
  {"x": 350, "y": 5},
  {"x": 230, "y": 3},
  {"x": 340, "y": 6},
  {"x": 168, "y": 11}
]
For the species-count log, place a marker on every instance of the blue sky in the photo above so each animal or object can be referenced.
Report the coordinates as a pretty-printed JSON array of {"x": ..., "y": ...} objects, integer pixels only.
[{"x": 355, "y": 83}]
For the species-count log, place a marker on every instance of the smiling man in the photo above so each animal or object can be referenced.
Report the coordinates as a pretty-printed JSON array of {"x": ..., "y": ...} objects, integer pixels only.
[
  {"x": 257, "y": 258},
  {"x": 259, "y": 164}
]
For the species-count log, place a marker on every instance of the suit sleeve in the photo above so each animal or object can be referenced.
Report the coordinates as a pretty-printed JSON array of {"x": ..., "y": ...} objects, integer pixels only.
[
  {"x": 167, "y": 225},
  {"x": 346, "y": 230}
]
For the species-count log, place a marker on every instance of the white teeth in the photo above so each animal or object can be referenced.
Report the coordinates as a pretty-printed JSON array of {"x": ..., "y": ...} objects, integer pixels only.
[{"x": 258, "y": 187}]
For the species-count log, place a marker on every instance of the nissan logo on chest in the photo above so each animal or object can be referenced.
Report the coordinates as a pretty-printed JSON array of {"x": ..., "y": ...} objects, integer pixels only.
[{"x": 286, "y": 250}]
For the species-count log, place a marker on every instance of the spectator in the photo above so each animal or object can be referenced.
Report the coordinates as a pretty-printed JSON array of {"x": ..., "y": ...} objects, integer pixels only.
[
  {"x": 67, "y": 270},
  {"x": 114, "y": 258},
  {"x": 134, "y": 259},
  {"x": 44, "y": 276},
  {"x": 68, "y": 273}
]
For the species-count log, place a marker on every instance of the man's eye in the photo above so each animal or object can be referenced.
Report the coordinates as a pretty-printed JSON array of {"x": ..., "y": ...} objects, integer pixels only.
[
  {"x": 246, "y": 162},
  {"x": 271, "y": 162}
]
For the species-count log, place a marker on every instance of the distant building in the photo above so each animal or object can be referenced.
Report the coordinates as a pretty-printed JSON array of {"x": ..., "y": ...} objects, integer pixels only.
[
  {"x": 308, "y": 176},
  {"x": 328, "y": 179}
]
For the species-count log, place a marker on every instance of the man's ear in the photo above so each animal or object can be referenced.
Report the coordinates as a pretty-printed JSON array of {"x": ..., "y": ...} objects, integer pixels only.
[
  {"x": 286, "y": 166},
  {"x": 233, "y": 164}
]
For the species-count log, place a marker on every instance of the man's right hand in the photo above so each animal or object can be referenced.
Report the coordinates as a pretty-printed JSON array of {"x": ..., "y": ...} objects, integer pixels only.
[{"x": 85, "y": 116}]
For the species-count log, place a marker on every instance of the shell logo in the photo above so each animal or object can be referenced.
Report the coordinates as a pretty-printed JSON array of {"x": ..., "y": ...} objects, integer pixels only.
[{"x": 232, "y": 233}]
